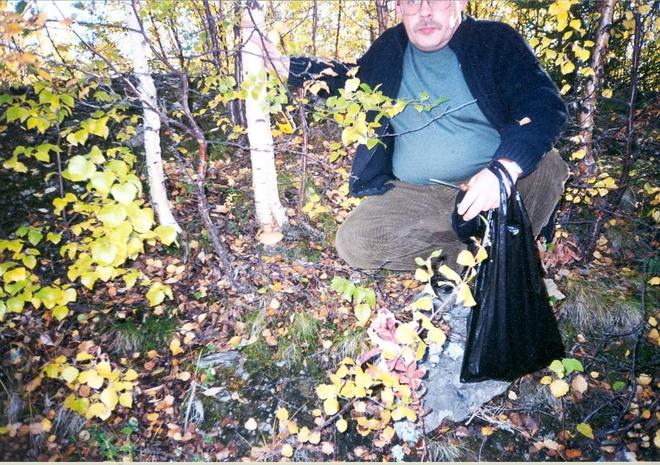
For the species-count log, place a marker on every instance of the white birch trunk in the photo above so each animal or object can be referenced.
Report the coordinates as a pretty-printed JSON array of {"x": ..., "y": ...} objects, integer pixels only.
[
  {"x": 594, "y": 85},
  {"x": 137, "y": 50},
  {"x": 270, "y": 213}
]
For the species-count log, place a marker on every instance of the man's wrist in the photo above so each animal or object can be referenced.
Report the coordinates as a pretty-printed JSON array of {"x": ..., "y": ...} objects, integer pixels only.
[{"x": 511, "y": 166}]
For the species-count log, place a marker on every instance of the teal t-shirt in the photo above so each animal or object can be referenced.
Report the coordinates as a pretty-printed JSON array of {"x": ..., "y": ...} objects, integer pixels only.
[{"x": 451, "y": 148}]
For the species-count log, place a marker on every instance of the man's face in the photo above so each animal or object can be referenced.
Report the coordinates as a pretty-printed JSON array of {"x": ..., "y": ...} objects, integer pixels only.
[{"x": 430, "y": 24}]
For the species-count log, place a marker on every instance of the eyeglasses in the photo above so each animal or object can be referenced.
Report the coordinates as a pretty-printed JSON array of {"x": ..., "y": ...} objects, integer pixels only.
[{"x": 412, "y": 7}]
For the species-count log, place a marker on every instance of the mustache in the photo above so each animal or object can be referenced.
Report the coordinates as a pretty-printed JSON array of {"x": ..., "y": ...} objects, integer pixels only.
[{"x": 427, "y": 23}]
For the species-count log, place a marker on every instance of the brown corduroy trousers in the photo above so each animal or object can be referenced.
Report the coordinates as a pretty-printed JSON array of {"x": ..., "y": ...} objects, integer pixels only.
[{"x": 412, "y": 220}]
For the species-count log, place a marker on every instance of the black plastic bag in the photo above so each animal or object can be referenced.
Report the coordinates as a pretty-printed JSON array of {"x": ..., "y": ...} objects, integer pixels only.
[{"x": 512, "y": 330}]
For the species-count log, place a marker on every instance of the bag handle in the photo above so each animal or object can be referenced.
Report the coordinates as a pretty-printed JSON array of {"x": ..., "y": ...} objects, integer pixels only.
[{"x": 502, "y": 173}]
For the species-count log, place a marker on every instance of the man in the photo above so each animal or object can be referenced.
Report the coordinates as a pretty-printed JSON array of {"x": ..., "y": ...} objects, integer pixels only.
[{"x": 501, "y": 106}]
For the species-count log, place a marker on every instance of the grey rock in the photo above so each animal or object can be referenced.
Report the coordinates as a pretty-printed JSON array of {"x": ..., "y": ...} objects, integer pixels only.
[
  {"x": 407, "y": 431},
  {"x": 446, "y": 397}
]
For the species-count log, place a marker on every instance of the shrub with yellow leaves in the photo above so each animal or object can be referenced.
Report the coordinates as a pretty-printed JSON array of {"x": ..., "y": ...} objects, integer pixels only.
[{"x": 97, "y": 387}]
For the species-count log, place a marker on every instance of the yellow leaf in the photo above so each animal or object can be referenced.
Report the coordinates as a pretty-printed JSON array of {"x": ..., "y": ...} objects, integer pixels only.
[
  {"x": 403, "y": 412},
  {"x": 565, "y": 88},
  {"x": 292, "y": 426},
  {"x": 287, "y": 450},
  {"x": 423, "y": 303},
  {"x": 303, "y": 434},
  {"x": 352, "y": 84},
  {"x": 450, "y": 274},
  {"x": 331, "y": 406},
  {"x": 421, "y": 350},
  {"x": 567, "y": 68},
  {"x": 422, "y": 275},
  {"x": 70, "y": 374},
  {"x": 166, "y": 234},
  {"x": 83, "y": 356},
  {"x": 326, "y": 391},
  {"x": 250, "y": 424},
  {"x": 465, "y": 296},
  {"x": 282, "y": 414},
  {"x": 559, "y": 388},
  {"x": 342, "y": 425},
  {"x": 98, "y": 409},
  {"x": 406, "y": 334},
  {"x": 46, "y": 425},
  {"x": 152, "y": 416},
  {"x": 315, "y": 437},
  {"x": 109, "y": 398},
  {"x": 465, "y": 258},
  {"x": 175, "y": 347},
  {"x": 387, "y": 395},
  {"x": 363, "y": 380},
  {"x": 546, "y": 380},
  {"x": 104, "y": 369},
  {"x": 436, "y": 336},
  {"x": 130, "y": 375},
  {"x": 126, "y": 399},
  {"x": 91, "y": 378},
  {"x": 481, "y": 255},
  {"x": 585, "y": 429},
  {"x": 578, "y": 154},
  {"x": 575, "y": 24}
]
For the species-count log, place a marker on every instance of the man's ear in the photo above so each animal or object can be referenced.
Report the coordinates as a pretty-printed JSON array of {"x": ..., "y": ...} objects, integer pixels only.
[{"x": 398, "y": 9}]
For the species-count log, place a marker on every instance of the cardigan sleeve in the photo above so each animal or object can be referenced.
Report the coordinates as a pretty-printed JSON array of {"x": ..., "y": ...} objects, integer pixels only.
[
  {"x": 331, "y": 72},
  {"x": 536, "y": 111}
]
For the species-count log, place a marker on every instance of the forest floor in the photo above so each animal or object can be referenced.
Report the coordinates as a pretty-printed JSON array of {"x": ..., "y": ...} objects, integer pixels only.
[{"x": 240, "y": 356}]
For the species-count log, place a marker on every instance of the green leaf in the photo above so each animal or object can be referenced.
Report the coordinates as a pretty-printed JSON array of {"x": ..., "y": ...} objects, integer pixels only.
[
  {"x": 585, "y": 429},
  {"x": 98, "y": 127},
  {"x": 35, "y": 236},
  {"x": 79, "y": 169},
  {"x": 29, "y": 261},
  {"x": 618, "y": 385},
  {"x": 68, "y": 100},
  {"x": 54, "y": 237},
  {"x": 16, "y": 112},
  {"x": 78, "y": 137},
  {"x": 572, "y": 365},
  {"x": 15, "y": 304},
  {"x": 362, "y": 313},
  {"x": 14, "y": 164},
  {"x": 557, "y": 367},
  {"x": 371, "y": 298}
]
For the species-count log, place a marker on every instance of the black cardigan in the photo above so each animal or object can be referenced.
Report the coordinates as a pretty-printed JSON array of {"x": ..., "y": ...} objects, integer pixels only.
[{"x": 501, "y": 72}]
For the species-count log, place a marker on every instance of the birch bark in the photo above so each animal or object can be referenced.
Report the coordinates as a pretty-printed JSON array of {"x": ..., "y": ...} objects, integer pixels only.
[
  {"x": 587, "y": 165},
  {"x": 270, "y": 213},
  {"x": 137, "y": 50}
]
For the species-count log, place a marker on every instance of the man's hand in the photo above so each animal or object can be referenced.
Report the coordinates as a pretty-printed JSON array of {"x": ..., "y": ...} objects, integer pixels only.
[
  {"x": 273, "y": 59},
  {"x": 483, "y": 190}
]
